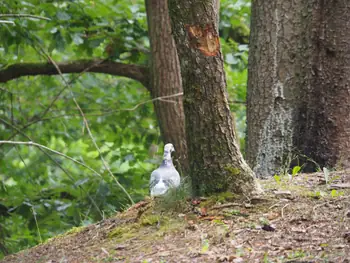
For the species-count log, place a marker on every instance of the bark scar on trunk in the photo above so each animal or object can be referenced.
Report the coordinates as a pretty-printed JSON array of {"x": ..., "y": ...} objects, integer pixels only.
[{"x": 204, "y": 39}]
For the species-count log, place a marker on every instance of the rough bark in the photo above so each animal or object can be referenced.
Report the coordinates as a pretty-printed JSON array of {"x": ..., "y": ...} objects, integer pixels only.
[
  {"x": 135, "y": 72},
  {"x": 271, "y": 81},
  {"x": 216, "y": 164},
  {"x": 165, "y": 80},
  {"x": 298, "y": 84},
  {"x": 324, "y": 111}
]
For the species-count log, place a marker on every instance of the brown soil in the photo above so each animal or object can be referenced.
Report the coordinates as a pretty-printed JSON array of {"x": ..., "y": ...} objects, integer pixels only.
[{"x": 302, "y": 220}]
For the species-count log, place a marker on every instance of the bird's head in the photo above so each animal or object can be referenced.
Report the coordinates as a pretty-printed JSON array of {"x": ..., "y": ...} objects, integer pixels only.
[{"x": 168, "y": 149}]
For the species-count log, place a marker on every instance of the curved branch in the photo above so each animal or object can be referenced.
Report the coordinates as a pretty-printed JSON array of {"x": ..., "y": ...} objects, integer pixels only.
[{"x": 136, "y": 72}]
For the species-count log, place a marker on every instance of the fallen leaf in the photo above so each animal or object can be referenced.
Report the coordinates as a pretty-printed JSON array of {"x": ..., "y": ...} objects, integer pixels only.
[
  {"x": 204, "y": 211},
  {"x": 272, "y": 215}
]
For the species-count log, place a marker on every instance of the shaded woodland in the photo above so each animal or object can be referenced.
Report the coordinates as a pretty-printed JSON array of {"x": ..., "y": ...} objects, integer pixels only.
[{"x": 90, "y": 91}]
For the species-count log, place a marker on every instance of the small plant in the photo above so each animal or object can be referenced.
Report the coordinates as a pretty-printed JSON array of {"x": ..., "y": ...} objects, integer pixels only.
[
  {"x": 277, "y": 178},
  {"x": 296, "y": 170},
  {"x": 326, "y": 174},
  {"x": 266, "y": 258},
  {"x": 335, "y": 193},
  {"x": 205, "y": 245},
  {"x": 296, "y": 254},
  {"x": 264, "y": 221},
  {"x": 176, "y": 198}
]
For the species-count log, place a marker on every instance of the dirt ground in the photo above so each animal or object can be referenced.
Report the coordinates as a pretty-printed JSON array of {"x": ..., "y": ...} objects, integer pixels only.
[{"x": 299, "y": 219}]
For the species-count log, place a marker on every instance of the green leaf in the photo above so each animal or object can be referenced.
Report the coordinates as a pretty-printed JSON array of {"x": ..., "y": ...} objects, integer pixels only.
[
  {"x": 81, "y": 181},
  {"x": 10, "y": 182},
  {"x": 63, "y": 16},
  {"x": 205, "y": 246},
  {"x": 295, "y": 170},
  {"x": 77, "y": 39},
  {"x": 277, "y": 178}
]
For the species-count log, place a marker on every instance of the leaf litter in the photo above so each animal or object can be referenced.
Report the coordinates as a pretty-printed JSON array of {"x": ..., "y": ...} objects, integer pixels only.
[{"x": 303, "y": 220}]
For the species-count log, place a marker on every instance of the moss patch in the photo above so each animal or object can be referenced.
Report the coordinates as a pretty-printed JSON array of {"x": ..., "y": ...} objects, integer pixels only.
[
  {"x": 150, "y": 220},
  {"x": 233, "y": 171},
  {"x": 72, "y": 231},
  {"x": 218, "y": 198}
]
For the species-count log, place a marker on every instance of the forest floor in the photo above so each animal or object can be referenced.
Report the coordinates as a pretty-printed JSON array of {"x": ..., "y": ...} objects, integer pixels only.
[{"x": 300, "y": 220}]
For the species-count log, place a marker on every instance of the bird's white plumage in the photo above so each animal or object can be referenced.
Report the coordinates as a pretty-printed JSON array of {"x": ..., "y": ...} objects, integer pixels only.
[{"x": 166, "y": 176}]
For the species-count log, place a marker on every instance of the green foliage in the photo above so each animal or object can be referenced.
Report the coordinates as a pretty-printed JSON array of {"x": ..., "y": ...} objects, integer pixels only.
[
  {"x": 277, "y": 178},
  {"x": 42, "y": 194},
  {"x": 205, "y": 245},
  {"x": 295, "y": 170},
  {"x": 234, "y": 33},
  {"x": 335, "y": 193},
  {"x": 176, "y": 198}
]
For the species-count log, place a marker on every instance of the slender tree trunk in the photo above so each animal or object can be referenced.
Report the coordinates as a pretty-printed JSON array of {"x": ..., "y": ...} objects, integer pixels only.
[
  {"x": 216, "y": 164},
  {"x": 166, "y": 80},
  {"x": 298, "y": 84}
]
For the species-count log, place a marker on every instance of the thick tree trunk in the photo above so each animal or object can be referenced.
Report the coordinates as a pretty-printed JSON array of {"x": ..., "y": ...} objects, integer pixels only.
[
  {"x": 216, "y": 164},
  {"x": 271, "y": 94},
  {"x": 298, "y": 84},
  {"x": 166, "y": 80},
  {"x": 324, "y": 111}
]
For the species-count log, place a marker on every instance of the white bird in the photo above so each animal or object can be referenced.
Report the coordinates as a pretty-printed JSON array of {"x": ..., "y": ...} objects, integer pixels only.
[{"x": 166, "y": 176}]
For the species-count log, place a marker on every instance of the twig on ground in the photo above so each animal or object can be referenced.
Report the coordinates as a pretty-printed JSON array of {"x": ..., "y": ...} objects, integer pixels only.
[
  {"x": 225, "y": 205},
  {"x": 282, "y": 214}
]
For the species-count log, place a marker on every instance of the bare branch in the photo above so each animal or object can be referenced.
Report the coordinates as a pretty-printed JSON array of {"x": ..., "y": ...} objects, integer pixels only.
[
  {"x": 136, "y": 72},
  {"x": 25, "y": 15},
  {"x": 7, "y": 22},
  {"x": 237, "y": 102},
  {"x": 110, "y": 112},
  {"x": 162, "y": 98}
]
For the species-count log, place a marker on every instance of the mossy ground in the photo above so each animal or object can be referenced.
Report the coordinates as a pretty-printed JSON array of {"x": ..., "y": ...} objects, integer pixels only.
[{"x": 302, "y": 220}]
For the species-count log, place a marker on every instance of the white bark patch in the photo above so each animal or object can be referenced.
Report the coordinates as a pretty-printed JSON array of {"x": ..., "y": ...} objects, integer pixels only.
[
  {"x": 275, "y": 44},
  {"x": 276, "y": 135}
]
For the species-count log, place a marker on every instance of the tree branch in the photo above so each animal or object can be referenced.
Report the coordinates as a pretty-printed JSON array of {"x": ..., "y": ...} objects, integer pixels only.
[
  {"x": 131, "y": 71},
  {"x": 25, "y": 15}
]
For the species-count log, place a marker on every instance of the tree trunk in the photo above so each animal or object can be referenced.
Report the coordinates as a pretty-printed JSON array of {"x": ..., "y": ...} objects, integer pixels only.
[
  {"x": 216, "y": 164},
  {"x": 298, "y": 93},
  {"x": 166, "y": 80},
  {"x": 324, "y": 111},
  {"x": 271, "y": 81}
]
